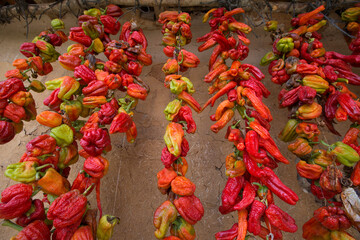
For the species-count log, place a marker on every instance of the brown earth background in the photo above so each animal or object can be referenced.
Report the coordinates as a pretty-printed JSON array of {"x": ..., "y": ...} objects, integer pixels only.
[{"x": 129, "y": 190}]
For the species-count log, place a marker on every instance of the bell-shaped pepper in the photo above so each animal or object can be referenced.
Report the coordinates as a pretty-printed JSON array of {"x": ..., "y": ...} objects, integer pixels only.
[
  {"x": 21, "y": 64},
  {"x": 172, "y": 109},
  {"x": 177, "y": 86},
  {"x": 171, "y": 67},
  {"x": 30, "y": 112},
  {"x": 234, "y": 167},
  {"x": 330, "y": 179},
  {"x": 95, "y": 141},
  {"x": 106, "y": 226},
  {"x": 285, "y": 44},
  {"x": 22, "y": 98},
  {"x": 309, "y": 131},
  {"x": 80, "y": 37},
  {"x": 14, "y": 112},
  {"x": 185, "y": 114},
  {"x": 24, "y": 172},
  {"x": 121, "y": 123},
  {"x": 239, "y": 26},
  {"x": 15, "y": 201},
  {"x": 309, "y": 111},
  {"x": 68, "y": 87},
  {"x": 29, "y": 49},
  {"x": 316, "y": 82},
  {"x": 137, "y": 91},
  {"x": 53, "y": 183},
  {"x": 84, "y": 182},
  {"x": 52, "y": 101},
  {"x": 69, "y": 62},
  {"x": 288, "y": 133},
  {"x": 7, "y": 132},
  {"x": 57, "y": 24},
  {"x": 107, "y": 112},
  {"x": 72, "y": 109},
  {"x": 188, "y": 59},
  {"x": 113, "y": 81},
  {"x": 319, "y": 192},
  {"x": 344, "y": 154},
  {"x": 313, "y": 229},
  {"x": 350, "y": 14},
  {"x": 271, "y": 26},
  {"x": 85, "y": 73},
  {"x": 90, "y": 30},
  {"x": 16, "y": 73},
  {"x": 96, "y": 167},
  {"x": 164, "y": 215},
  {"x": 182, "y": 229},
  {"x": 68, "y": 209},
  {"x": 37, "y": 86},
  {"x": 35, "y": 230},
  {"x": 83, "y": 232},
  {"x": 10, "y": 86},
  {"x": 321, "y": 158},
  {"x": 182, "y": 186},
  {"x": 310, "y": 171},
  {"x": 111, "y": 25},
  {"x": 165, "y": 177},
  {"x": 173, "y": 138},
  {"x": 190, "y": 208},
  {"x": 63, "y": 135},
  {"x": 268, "y": 58},
  {"x": 68, "y": 155},
  {"x": 93, "y": 101},
  {"x": 300, "y": 147},
  {"x": 332, "y": 218},
  {"x": 45, "y": 47}
]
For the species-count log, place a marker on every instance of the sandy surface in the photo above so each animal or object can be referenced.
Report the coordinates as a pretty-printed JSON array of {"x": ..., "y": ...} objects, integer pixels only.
[{"x": 129, "y": 191}]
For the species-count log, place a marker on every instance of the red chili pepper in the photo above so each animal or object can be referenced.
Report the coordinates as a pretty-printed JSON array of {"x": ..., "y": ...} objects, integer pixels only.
[
  {"x": 231, "y": 191},
  {"x": 256, "y": 213},
  {"x": 273, "y": 150},
  {"x": 280, "y": 219},
  {"x": 15, "y": 201},
  {"x": 186, "y": 97},
  {"x": 228, "y": 234},
  {"x": 224, "y": 90},
  {"x": 248, "y": 197}
]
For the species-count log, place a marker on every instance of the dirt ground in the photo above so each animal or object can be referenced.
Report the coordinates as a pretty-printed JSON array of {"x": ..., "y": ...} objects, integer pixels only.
[{"x": 129, "y": 191}]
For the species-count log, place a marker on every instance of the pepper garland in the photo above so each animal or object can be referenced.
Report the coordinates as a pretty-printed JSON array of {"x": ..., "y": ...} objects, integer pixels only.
[
  {"x": 183, "y": 209},
  {"x": 250, "y": 166},
  {"x": 351, "y": 17},
  {"x": 46, "y": 164},
  {"x": 315, "y": 84},
  {"x": 16, "y": 102}
]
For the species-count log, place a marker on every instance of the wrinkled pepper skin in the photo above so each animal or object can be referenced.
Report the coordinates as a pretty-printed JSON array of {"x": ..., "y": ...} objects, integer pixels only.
[
  {"x": 183, "y": 186},
  {"x": 106, "y": 227},
  {"x": 228, "y": 234},
  {"x": 36, "y": 230},
  {"x": 23, "y": 172},
  {"x": 190, "y": 208},
  {"x": 355, "y": 176},
  {"x": 309, "y": 171},
  {"x": 230, "y": 192},
  {"x": 165, "y": 177},
  {"x": 320, "y": 193},
  {"x": 37, "y": 214},
  {"x": 96, "y": 167},
  {"x": 7, "y": 132},
  {"x": 330, "y": 179},
  {"x": 280, "y": 219},
  {"x": 345, "y": 154},
  {"x": 121, "y": 123},
  {"x": 53, "y": 183},
  {"x": 95, "y": 141},
  {"x": 67, "y": 209},
  {"x": 182, "y": 229},
  {"x": 312, "y": 229},
  {"x": 316, "y": 82},
  {"x": 285, "y": 44},
  {"x": 300, "y": 147},
  {"x": 164, "y": 215},
  {"x": 288, "y": 133},
  {"x": 15, "y": 201},
  {"x": 309, "y": 111},
  {"x": 173, "y": 138},
  {"x": 332, "y": 218},
  {"x": 257, "y": 211},
  {"x": 63, "y": 135},
  {"x": 83, "y": 233}
]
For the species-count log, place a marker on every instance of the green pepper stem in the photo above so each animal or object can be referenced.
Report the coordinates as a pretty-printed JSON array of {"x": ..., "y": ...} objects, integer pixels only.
[
  {"x": 182, "y": 58},
  {"x": 234, "y": 126},
  {"x": 127, "y": 109},
  {"x": 35, "y": 191},
  {"x": 8, "y": 223},
  {"x": 324, "y": 143},
  {"x": 33, "y": 54},
  {"x": 88, "y": 189},
  {"x": 90, "y": 47},
  {"x": 43, "y": 166},
  {"x": 342, "y": 80}
]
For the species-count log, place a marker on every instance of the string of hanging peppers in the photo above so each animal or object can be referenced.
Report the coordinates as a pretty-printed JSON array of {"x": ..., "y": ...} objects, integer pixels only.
[
  {"x": 351, "y": 17},
  {"x": 183, "y": 209},
  {"x": 250, "y": 167},
  {"x": 315, "y": 85},
  {"x": 89, "y": 92},
  {"x": 16, "y": 101}
]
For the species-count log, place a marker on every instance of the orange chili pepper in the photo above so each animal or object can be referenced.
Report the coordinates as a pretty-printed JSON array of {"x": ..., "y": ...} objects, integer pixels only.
[
  {"x": 245, "y": 40},
  {"x": 257, "y": 103},
  {"x": 242, "y": 224},
  {"x": 300, "y": 30},
  {"x": 306, "y": 17},
  {"x": 53, "y": 183},
  {"x": 259, "y": 129},
  {"x": 225, "y": 118},
  {"x": 223, "y": 106}
]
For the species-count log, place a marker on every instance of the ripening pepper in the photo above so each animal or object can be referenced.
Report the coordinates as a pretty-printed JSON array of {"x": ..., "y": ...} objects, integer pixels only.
[
  {"x": 309, "y": 131},
  {"x": 285, "y": 44},
  {"x": 137, "y": 91},
  {"x": 319, "y": 192},
  {"x": 121, "y": 123},
  {"x": 351, "y": 14},
  {"x": 144, "y": 58},
  {"x": 63, "y": 135},
  {"x": 165, "y": 177},
  {"x": 68, "y": 209},
  {"x": 69, "y": 62},
  {"x": 15, "y": 201},
  {"x": 309, "y": 111},
  {"x": 14, "y": 112},
  {"x": 300, "y": 147},
  {"x": 234, "y": 167},
  {"x": 37, "y": 212},
  {"x": 182, "y": 186},
  {"x": 164, "y": 215},
  {"x": 310, "y": 171},
  {"x": 239, "y": 26},
  {"x": 268, "y": 58},
  {"x": 68, "y": 155},
  {"x": 316, "y": 82},
  {"x": 106, "y": 226},
  {"x": 72, "y": 109},
  {"x": 7, "y": 132},
  {"x": 271, "y": 26},
  {"x": 16, "y": 73},
  {"x": 45, "y": 47},
  {"x": 321, "y": 157},
  {"x": 173, "y": 138},
  {"x": 68, "y": 87},
  {"x": 330, "y": 179},
  {"x": 190, "y": 208},
  {"x": 57, "y": 24},
  {"x": 98, "y": 45},
  {"x": 188, "y": 59},
  {"x": 332, "y": 218},
  {"x": 344, "y": 154},
  {"x": 182, "y": 229},
  {"x": 93, "y": 101},
  {"x": 90, "y": 30},
  {"x": 170, "y": 67},
  {"x": 76, "y": 50},
  {"x": 172, "y": 109},
  {"x": 37, "y": 64},
  {"x": 53, "y": 183},
  {"x": 22, "y": 98},
  {"x": 30, "y": 112},
  {"x": 37, "y": 86},
  {"x": 313, "y": 229},
  {"x": 177, "y": 86},
  {"x": 185, "y": 114},
  {"x": 95, "y": 141},
  {"x": 55, "y": 83},
  {"x": 24, "y": 172},
  {"x": 21, "y": 64},
  {"x": 288, "y": 133}
]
